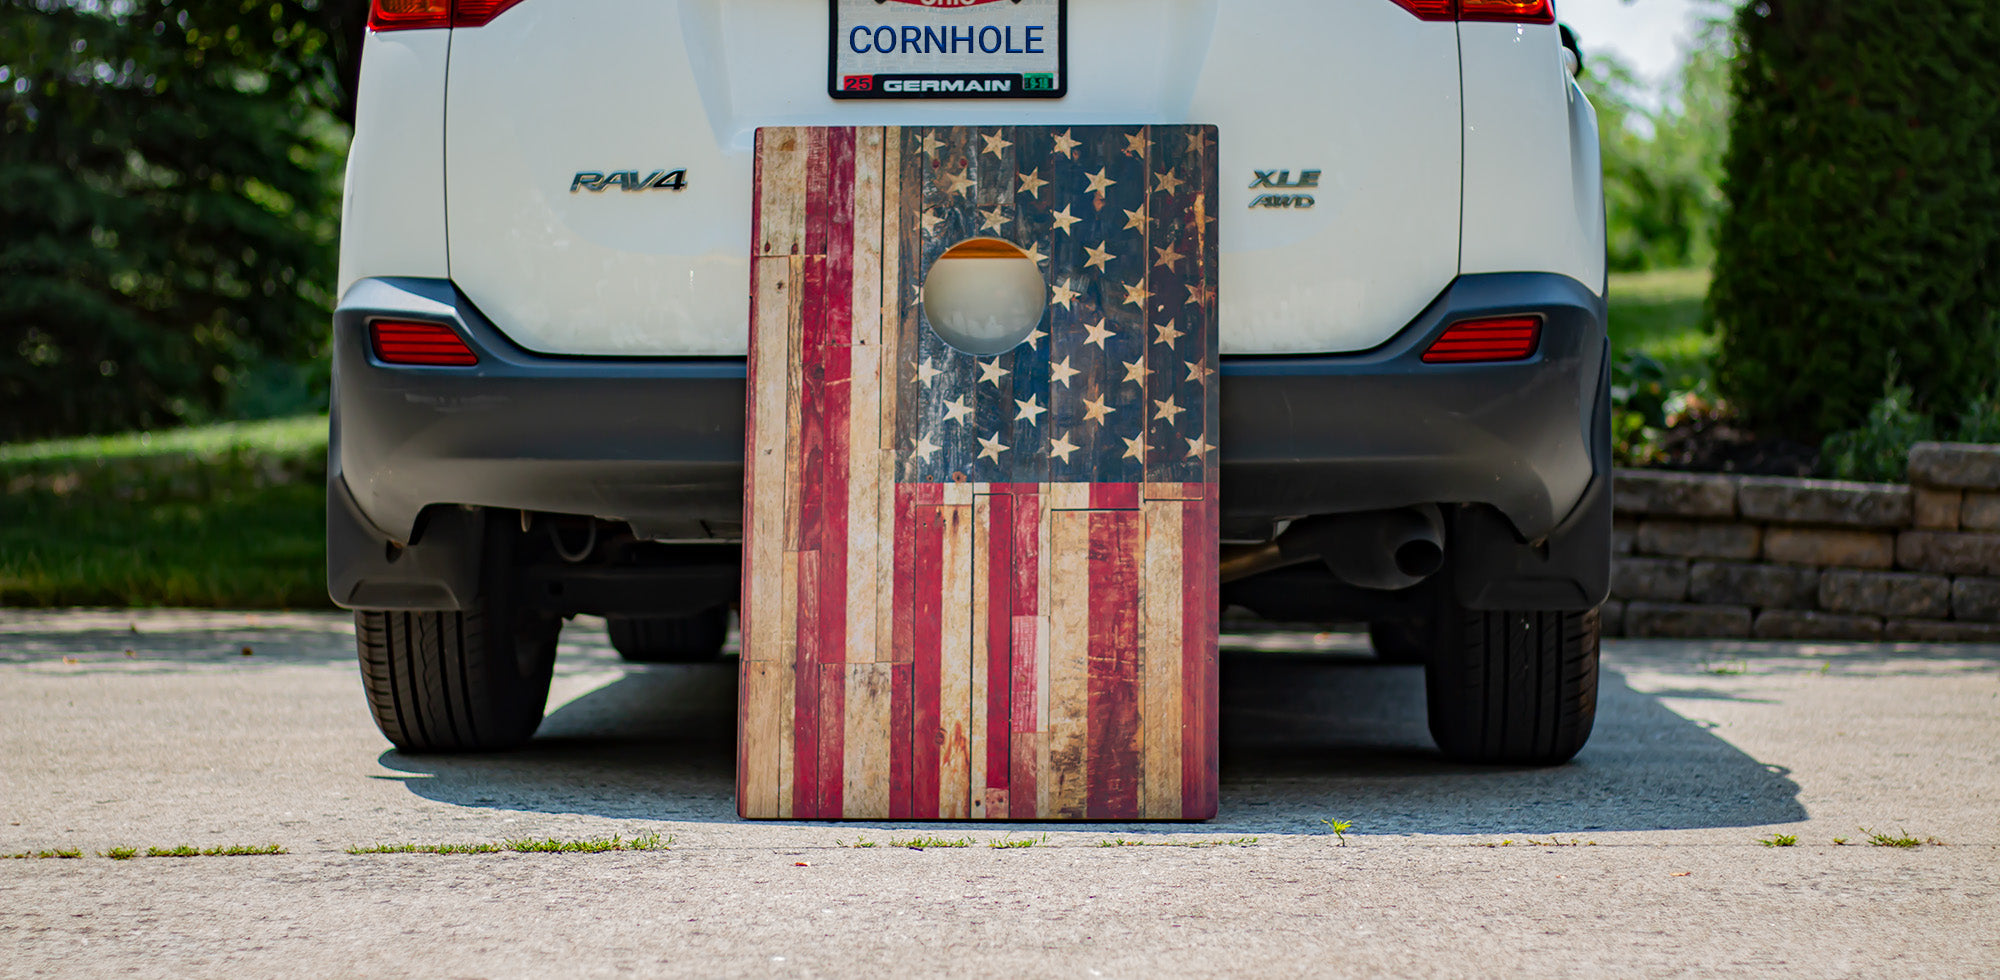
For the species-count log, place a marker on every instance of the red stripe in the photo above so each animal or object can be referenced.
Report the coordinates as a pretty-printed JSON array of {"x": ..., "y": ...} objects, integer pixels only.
[
  {"x": 902, "y": 647},
  {"x": 902, "y": 605},
  {"x": 900, "y": 697},
  {"x": 1114, "y": 496},
  {"x": 1027, "y": 531},
  {"x": 926, "y": 732},
  {"x": 805, "y": 695},
  {"x": 812, "y": 409},
  {"x": 1113, "y": 670},
  {"x": 999, "y": 636},
  {"x": 832, "y": 737},
  {"x": 807, "y": 784},
  {"x": 1200, "y": 555},
  {"x": 834, "y": 334}
]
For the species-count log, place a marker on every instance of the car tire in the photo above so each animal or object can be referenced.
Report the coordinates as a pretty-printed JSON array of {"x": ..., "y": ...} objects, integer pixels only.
[
  {"x": 1514, "y": 688},
  {"x": 692, "y": 639},
  {"x": 472, "y": 681},
  {"x": 1400, "y": 641}
]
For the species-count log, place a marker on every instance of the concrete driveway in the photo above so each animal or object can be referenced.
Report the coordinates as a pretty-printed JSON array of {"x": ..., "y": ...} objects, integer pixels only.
[{"x": 1641, "y": 858}]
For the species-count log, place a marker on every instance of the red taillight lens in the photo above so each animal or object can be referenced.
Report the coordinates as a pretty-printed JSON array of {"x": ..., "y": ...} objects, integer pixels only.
[
  {"x": 432, "y": 344},
  {"x": 475, "y": 13},
  {"x": 1429, "y": 9},
  {"x": 1501, "y": 339},
  {"x": 403, "y": 15},
  {"x": 1514, "y": 11}
]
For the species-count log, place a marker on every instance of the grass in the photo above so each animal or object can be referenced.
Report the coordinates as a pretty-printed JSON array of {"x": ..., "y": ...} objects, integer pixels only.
[
  {"x": 293, "y": 436},
  {"x": 1779, "y": 840},
  {"x": 1339, "y": 828},
  {"x": 426, "y": 849},
  {"x": 1531, "y": 842},
  {"x": 1659, "y": 314},
  {"x": 179, "y": 851},
  {"x": 926, "y": 842},
  {"x": 42, "y": 855},
  {"x": 1900, "y": 838},
  {"x": 1222, "y": 842},
  {"x": 228, "y": 515},
  {"x": 1010, "y": 843},
  {"x": 232, "y": 850},
  {"x": 528, "y": 845}
]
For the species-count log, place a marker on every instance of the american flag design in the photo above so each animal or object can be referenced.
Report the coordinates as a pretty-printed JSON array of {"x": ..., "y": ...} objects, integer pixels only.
[{"x": 981, "y": 587}]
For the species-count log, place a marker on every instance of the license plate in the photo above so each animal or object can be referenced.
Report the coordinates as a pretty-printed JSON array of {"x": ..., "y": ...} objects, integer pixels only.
[{"x": 948, "y": 49}]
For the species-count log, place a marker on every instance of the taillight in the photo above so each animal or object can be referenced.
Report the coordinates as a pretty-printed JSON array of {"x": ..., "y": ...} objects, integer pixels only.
[
  {"x": 403, "y": 15},
  {"x": 430, "y": 344},
  {"x": 1508, "y": 338},
  {"x": 1513, "y": 11},
  {"x": 475, "y": 13},
  {"x": 1430, "y": 9}
]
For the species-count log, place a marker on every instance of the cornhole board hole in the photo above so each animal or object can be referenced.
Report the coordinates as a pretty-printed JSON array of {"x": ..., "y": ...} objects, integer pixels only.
[{"x": 980, "y": 580}]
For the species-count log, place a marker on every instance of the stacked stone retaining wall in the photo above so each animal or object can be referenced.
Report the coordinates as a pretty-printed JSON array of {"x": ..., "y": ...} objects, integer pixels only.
[{"x": 1721, "y": 556}]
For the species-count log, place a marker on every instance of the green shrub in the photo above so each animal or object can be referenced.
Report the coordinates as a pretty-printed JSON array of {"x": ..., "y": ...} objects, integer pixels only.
[
  {"x": 1878, "y": 451},
  {"x": 1863, "y": 192}
]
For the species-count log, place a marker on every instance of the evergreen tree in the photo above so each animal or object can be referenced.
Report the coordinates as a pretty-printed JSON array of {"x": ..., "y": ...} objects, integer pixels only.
[
  {"x": 169, "y": 189},
  {"x": 1863, "y": 228}
]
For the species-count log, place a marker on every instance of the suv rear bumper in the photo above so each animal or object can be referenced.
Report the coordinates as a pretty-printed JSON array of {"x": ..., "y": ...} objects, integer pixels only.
[{"x": 659, "y": 443}]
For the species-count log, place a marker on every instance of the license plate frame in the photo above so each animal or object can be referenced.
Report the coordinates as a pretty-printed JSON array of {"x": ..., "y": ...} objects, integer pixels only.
[{"x": 1016, "y": 69}]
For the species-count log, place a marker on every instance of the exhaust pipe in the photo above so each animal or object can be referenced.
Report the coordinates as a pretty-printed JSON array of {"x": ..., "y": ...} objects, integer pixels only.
[{"x": 1384, "y": 549}]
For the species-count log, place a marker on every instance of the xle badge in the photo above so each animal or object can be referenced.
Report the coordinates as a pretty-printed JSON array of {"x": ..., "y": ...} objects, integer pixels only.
[
  {"x": 1282, "y": 179},
  {"x": 599, "y": 181}
]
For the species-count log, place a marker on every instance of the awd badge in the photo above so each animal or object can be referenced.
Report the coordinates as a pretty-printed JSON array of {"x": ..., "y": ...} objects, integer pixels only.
[{"x": 1282, "y": 180}]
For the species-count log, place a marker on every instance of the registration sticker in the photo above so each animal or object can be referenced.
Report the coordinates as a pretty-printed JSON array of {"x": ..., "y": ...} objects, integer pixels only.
[{"x": 948, "y": 49}]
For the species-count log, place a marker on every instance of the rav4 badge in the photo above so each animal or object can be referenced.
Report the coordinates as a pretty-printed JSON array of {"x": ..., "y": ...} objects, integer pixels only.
[{"x": 629, "y": 180}]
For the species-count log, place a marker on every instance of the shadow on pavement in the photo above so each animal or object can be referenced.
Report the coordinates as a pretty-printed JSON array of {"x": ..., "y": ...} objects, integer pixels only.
[{"x": 1304, "y": 737}]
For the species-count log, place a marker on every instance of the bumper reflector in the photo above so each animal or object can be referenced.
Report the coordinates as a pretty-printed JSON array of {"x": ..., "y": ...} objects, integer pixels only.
[
  {"x": 431, "y": 344},
  {"x": 1509, "y": 338}
]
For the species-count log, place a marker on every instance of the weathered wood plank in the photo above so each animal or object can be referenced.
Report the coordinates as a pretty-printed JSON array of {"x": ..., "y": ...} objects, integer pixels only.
[
  {"x": 1066, "y": 779},
  {"x": 763, "y": 739},
  {"x": 982, "y": 601},
  {"x": 768, "y": 494},
  {"x": 1113, "y": 693},
  {"x": 1161, "y": 661},
  {"x": 870, "y": 706},
  {"x": 955, "y": 673},
  {"x": 781, "y": 192}
]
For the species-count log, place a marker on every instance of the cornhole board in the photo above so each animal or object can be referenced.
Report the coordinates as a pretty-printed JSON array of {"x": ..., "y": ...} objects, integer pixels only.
[{"x": 981, "y": 587}]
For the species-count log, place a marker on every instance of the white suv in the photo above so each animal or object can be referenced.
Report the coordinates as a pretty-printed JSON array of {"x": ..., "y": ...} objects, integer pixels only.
[{"x": 539, "y": 349}]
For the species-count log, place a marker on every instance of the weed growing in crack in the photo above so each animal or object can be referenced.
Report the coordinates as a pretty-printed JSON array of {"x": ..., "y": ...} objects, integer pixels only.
[
  {"x": 921, "y": 843},
  {"x": 229, "y": 850},
  {"x": 528, "y": 845},
  {"x": 1901, "y": 838},
  {"x": 1340, "y": 829}
]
